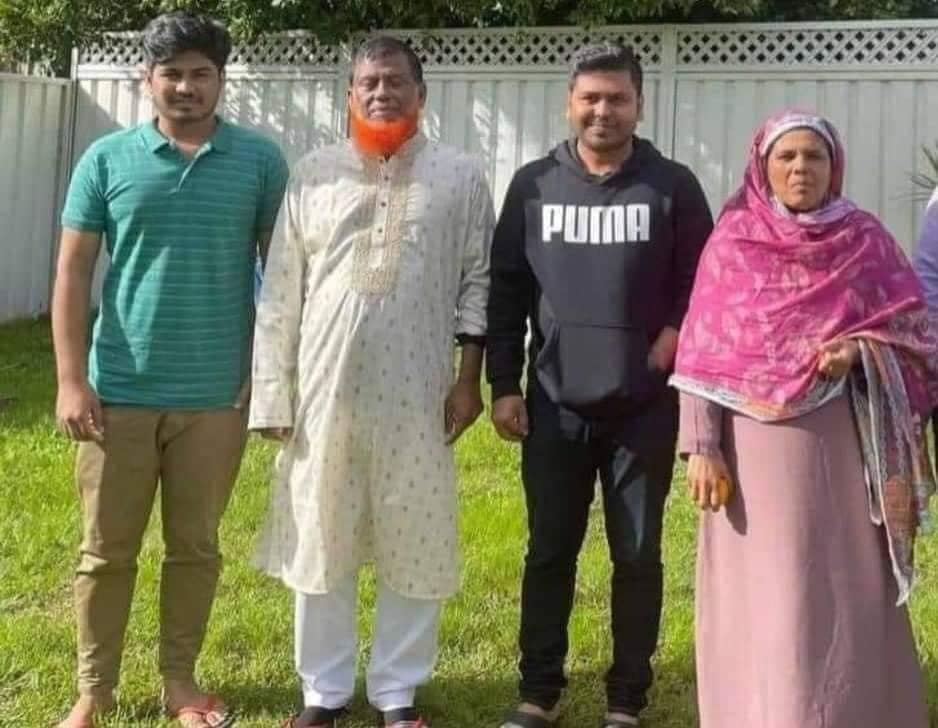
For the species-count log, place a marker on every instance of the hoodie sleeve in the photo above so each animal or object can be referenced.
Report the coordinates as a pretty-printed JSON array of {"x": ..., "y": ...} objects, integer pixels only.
[
  {"x": 509, "y": 296},
  {"x": 693, "y": 224}
]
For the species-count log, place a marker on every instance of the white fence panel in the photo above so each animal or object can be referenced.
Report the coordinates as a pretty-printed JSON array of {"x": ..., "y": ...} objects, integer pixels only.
[
  {"x": 33, "y": 113},
  {"x": 501, "y": 94},
  {"x": 883, "y": 124},
  {"x": 506, "y": 121},
  {"x": 490, "y": 92}
]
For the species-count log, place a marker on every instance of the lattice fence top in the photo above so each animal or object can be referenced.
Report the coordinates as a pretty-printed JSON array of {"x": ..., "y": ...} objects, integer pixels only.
[
  {"x": 286, "y": 50},
  {"x": 535, "y": 48},
  {"x": 812, "y": 47},
  {"x": 118, "y": 50},
  {"x": 714, "y": 47},
  {"x": 38, "y": 70},
  {"x": 289, "y": 49},
  {"x": 487, "y": 48}
]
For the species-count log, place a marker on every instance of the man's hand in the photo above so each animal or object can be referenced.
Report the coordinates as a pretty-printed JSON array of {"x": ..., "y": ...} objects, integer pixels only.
[
  {"x": 78, "y": 412},
  {"x": 836, "y": 358},
  {"x": 709, "y": 481},
  {"x": 244, "y": 395},
  {"x": 510, "y": 417},
  {"x": 462, "y": 407},
  {"x": 277, "y": 434},
  {"x": 661, "y": 354}
]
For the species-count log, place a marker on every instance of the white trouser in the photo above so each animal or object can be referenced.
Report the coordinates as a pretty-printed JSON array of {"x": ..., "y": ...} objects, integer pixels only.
[{"x": 326, "y": 644}]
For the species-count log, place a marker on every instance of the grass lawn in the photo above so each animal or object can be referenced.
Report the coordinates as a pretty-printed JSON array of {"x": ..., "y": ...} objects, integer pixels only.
[{"x": 248, "y": 654}]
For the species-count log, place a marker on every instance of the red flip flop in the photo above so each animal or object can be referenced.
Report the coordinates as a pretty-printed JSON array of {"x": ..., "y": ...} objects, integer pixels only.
[{"x": 213, "y": 713}]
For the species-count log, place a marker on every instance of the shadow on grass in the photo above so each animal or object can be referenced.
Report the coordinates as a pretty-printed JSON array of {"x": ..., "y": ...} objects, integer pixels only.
[
  {"x": 133, "y": 713},
  {"x": 468, "y": 700},
  {"x": 931, "y": 692},
  {"x": 473, "y": 701},
  {"x": 451, "y": 701},
  {"x": 27, "y": 376},
  {"x": 254, "y": 699}
]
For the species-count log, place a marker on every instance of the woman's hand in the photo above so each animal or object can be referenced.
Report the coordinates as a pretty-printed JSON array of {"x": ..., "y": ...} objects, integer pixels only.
[
  {"x": 836, "y": 358},
  {"x": 709, "y": 481}
]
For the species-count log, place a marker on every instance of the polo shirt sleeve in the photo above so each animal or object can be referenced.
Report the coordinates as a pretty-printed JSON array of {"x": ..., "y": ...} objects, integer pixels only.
[
  {"x": 276, "y": 175},
  {"x": 86, "y": 204}
]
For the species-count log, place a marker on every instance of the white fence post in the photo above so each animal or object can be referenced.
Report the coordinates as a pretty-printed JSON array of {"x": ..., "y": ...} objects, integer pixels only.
[{"x": 668, "y": 90}]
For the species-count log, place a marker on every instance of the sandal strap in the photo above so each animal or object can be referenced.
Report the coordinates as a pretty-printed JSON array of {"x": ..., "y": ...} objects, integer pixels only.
[
  {"x": 316, "y": 715},
  {"x": 213, "y": 705},
  {"x": 520, "y": 719}
]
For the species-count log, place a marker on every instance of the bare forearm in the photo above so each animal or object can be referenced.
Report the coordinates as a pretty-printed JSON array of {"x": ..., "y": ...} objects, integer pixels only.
[
  {"x": 70, "y": 308},
  {"x": 470, "y": 363}
]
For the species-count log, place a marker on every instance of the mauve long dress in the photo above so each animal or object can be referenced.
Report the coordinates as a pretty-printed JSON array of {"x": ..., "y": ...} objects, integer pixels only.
[{"x": 796, "y": 621}]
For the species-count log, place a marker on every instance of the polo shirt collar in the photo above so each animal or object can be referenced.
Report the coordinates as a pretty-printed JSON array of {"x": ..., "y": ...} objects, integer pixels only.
[
  {"x": 154, "y": 140},
  {"x": 220, "y": 141}
]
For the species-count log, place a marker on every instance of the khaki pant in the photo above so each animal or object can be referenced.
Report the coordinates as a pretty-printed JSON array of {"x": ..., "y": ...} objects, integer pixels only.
[{"x": 194, "y": 456}]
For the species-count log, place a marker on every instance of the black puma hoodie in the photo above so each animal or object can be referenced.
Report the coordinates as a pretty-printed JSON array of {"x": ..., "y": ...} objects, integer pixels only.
[{"x": 600, "y": 265}]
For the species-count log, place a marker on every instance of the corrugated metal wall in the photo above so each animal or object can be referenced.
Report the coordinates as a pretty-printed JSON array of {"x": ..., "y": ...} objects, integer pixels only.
[{"x": 33, "y": 112}]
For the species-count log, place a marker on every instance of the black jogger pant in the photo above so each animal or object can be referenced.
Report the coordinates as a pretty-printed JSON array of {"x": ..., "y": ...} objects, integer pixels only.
[{"x": 561, "y": 458}]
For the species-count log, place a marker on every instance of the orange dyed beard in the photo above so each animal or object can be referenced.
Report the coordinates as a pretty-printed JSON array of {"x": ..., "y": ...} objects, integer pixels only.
[{"x": 380, "y": 138}]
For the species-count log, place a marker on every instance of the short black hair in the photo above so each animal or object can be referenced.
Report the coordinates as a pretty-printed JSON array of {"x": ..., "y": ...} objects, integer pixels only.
[
  {"x": 168, "y": 35},
  {"x": 382, "y": 46},
  {"x": 606, "y": 57}
]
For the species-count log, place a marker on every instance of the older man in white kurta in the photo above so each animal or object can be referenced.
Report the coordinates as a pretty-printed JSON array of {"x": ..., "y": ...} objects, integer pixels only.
[{"x": 377, "y": 265}]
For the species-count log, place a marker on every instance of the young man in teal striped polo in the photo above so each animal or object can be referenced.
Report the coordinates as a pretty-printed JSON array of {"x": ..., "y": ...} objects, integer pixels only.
[{"x": 184, "y": 203}]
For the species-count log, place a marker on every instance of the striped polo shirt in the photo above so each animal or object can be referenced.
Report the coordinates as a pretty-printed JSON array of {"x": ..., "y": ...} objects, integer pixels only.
[{"x": 174, "y": 325}]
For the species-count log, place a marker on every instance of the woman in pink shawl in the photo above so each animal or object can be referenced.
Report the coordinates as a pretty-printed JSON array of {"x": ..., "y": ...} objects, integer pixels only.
[{"x": 802, "y": 369}]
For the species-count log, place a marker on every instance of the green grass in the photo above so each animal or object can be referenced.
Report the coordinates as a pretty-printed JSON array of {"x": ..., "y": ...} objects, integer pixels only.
[{"x": 248, "y": 655}]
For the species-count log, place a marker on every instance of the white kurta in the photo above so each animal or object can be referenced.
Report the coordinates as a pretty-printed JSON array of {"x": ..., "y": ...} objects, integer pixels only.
[{"x": 374, "y": 268}]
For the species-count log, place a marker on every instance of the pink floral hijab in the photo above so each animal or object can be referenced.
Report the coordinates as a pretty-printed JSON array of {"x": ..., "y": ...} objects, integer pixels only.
[{"x": 773, "y": 286}]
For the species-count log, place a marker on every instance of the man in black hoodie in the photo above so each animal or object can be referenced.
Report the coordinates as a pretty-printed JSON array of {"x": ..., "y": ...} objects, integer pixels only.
[{"x": 597, "y": 245}]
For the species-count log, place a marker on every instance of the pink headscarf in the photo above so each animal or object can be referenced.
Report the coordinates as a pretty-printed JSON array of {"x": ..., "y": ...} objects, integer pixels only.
[{"x": 773, "y": 286}]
